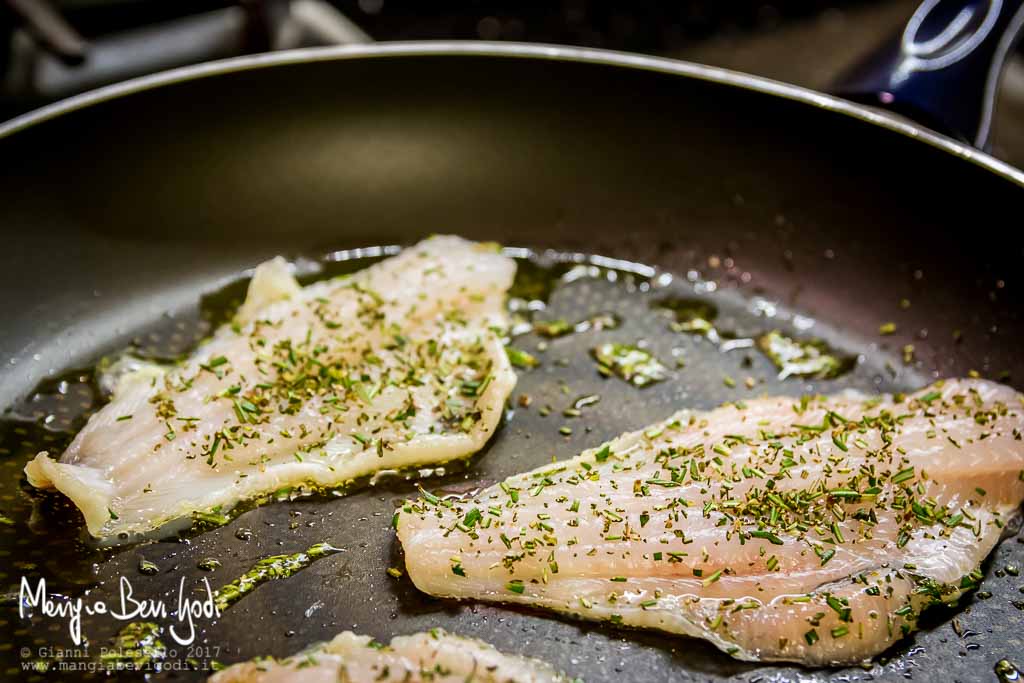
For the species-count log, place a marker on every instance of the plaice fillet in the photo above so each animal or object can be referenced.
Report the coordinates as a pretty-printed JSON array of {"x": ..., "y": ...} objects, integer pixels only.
[
  {"x": 397, "y": 365},
  {"x": 812, "y": 530},
  {"x": 435, "y": 656}
]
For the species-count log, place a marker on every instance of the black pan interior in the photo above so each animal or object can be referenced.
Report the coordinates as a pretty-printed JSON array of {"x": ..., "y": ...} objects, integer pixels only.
[{"x": 121, "y": 213}]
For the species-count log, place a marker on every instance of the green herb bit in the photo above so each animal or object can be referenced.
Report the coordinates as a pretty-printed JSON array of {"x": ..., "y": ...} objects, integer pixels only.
[
  {"x": 520, "y": 358},
  {"x": 471, "y": 518},
  {"x": 908, "y": 354},
  {"x": 148, "y": 568},
  {"x": 824, "y": 555},
  {"x": 713, "y": 578},
  {"x": 903, "y": 475},
  {"x": 767, "y": 535},
  {"x": 210, "y": 518},
  {"x": 428, "y": 496},
  {"x": 839, "y": 439},
  {"x": 839, "y": 607},
  {"x": 511, "y": 492},
  {"x": 553, "y": 328}
]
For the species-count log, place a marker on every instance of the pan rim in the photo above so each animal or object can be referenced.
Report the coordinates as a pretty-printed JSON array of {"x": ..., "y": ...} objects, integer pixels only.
[{"x": 538, "y": 51}]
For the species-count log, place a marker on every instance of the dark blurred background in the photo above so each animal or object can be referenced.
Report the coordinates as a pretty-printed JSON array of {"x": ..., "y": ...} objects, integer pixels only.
[{"x": 51, "y": 49}]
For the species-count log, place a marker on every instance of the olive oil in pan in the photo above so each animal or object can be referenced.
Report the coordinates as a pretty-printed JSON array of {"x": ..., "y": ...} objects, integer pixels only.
[
  {"x": 690, "y": 315},
  {"x": 1007, "y": 671},
  {"x": 40, "y": 532},
  {"x": 793, "y": 357}
]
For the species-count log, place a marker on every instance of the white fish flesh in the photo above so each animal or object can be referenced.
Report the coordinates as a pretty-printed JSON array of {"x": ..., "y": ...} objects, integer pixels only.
[
  {"x": 812, "y": 530},
  {"x": 435, "y": 656},
  {"x": 400, "y": 364}
]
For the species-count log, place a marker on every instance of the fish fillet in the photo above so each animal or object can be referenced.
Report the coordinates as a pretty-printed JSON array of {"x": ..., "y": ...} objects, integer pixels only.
[
  {"x": 400, "y": 364},
  {"x": 812, "y": 530},
  {"x": 435, "y": 656}
]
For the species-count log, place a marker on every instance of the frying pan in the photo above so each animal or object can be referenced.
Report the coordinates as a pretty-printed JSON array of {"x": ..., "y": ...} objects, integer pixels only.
[{"x": 129, "y": 215}]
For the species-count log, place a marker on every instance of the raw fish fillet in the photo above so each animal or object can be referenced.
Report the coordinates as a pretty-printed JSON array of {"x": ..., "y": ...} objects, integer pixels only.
[
  {"x": 400, "y": 364},
  {"x": 811, "y": 530},
  {"x": 435, "y": 656}
]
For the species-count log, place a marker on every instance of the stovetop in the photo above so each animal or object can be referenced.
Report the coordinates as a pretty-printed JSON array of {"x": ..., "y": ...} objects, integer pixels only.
[{"x": 806, "y": 42}]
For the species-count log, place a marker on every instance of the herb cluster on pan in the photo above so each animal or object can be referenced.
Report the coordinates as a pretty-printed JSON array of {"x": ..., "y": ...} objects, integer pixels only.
[{"x": 269, "y": 569}]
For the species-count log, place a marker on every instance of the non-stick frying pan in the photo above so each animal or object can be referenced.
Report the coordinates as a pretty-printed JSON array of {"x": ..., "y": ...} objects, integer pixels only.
[{"x": 121, "y": 210}]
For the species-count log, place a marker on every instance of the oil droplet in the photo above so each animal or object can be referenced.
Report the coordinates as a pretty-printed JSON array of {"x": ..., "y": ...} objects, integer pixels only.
[
  {"x": 584, "y": 401},
  {"x": 534, "y": 282},
  {"x": 562, "y": 327},
  {"x": 636, "y": 366},
  {"x": 1006, "y": 671},
  {"x": 137, "y": 644},
  {"x": 795, "y": 358},
  {"x": 691, "y": 315}
]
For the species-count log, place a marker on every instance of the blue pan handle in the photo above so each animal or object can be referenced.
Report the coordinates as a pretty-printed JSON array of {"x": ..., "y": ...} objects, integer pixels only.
[{"x": 943, "y": 69}]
